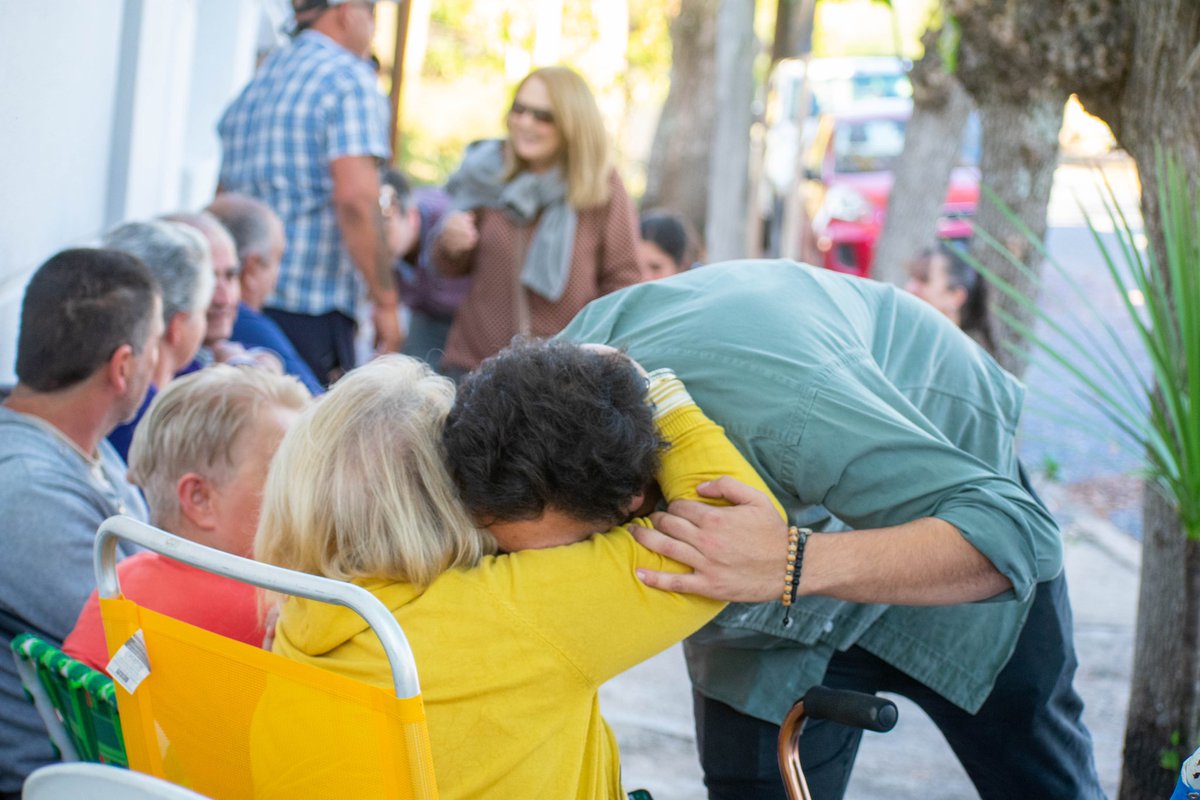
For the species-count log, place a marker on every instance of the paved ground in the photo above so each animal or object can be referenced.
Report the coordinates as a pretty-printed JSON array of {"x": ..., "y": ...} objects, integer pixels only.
[{"x": 650, "y": 706}]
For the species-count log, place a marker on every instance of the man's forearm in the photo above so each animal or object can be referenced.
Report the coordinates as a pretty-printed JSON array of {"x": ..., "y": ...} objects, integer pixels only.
[
  {"x": 739, "y": 554},
  {"x": 924, "y": 562},
  {"x": 362, "y": 232}
]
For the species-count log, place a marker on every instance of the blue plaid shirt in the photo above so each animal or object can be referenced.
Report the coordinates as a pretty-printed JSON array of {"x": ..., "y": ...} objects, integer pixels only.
[{"x": 310, "y": 103}]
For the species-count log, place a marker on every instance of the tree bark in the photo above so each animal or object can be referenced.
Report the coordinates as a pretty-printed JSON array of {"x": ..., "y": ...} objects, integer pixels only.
[
  {"x": 1020, "y": 153},
  {"x": 1136, "y": 65},
  {"x": 1158, "y": 104},
  {"x": 1163, "y": 695},
  {"x": 728, "y": 171},
  {"x": 1020, "y": 62},
  {"x": 677, "y": 175},
  {"x": 793, "y": 29},
  {"x": 940, "y": 110}
]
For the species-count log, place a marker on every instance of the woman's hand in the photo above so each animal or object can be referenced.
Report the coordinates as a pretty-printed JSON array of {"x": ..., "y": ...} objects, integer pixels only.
[{"x": 459, "y": 233}]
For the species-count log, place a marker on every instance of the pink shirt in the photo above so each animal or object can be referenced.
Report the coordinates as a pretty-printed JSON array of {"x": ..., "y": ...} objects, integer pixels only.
[{"x": 162, "y": 584}]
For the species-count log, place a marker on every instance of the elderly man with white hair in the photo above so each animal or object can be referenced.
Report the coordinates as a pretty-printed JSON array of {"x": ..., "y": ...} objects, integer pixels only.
[
  {"x": 219, "y": 347},
  {"x": 257, "y": 232},
  {"x": 201, "y": 456},
  {"x": 179, "y": 258}
]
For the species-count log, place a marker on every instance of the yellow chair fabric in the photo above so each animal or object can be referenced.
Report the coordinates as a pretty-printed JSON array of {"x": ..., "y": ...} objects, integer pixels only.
[{"x": 229, "y": 720}]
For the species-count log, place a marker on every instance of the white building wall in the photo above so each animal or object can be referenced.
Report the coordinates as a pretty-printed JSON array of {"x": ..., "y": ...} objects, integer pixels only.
[
  {"x": 60, "y": 62},
  {"x": 227, "y": 33},
  {"x": 157, "y": 44},
  {"x": 107, "y": 112}
]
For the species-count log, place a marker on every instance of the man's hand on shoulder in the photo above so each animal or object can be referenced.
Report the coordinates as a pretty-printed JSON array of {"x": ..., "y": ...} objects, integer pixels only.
[{"x": 737, "y": 553}]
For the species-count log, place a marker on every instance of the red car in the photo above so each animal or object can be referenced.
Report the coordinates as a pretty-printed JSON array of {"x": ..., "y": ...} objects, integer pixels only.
[{"x": 848, "y": 178}]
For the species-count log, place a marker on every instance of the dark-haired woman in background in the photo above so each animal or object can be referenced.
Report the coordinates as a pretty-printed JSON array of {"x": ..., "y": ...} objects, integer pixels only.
[
  {"x": 941, "y": 277},
  {"x": 669, "y": 244}
]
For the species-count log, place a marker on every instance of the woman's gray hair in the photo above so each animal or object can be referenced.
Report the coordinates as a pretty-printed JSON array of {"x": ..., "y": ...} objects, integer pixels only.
[{"x": 177, "y": 255}]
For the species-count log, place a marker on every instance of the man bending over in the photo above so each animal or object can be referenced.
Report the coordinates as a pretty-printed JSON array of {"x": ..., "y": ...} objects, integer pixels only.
[{"x": 863, "y": 408}]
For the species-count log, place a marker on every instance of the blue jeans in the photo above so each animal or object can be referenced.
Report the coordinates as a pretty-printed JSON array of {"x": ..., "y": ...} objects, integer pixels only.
[{"x": 1027, "y": 741}]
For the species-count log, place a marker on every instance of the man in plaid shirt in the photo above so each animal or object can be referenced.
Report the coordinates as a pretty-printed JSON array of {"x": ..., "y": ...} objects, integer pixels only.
[{"x": 307, "y": 136}]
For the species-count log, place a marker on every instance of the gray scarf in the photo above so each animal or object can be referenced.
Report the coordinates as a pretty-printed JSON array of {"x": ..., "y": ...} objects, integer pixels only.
[{"x": 479, "y": 183}]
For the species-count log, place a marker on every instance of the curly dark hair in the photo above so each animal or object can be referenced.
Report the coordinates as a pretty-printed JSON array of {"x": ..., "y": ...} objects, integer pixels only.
[{"x": 552, "y": 424}]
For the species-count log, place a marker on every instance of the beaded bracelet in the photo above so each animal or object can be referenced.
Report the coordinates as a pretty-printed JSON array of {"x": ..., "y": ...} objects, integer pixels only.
[{"x": 797, "y": 538}]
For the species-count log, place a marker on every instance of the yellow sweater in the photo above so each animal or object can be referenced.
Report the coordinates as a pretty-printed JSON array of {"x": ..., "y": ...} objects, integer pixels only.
[{"x": 511, "y": 653}]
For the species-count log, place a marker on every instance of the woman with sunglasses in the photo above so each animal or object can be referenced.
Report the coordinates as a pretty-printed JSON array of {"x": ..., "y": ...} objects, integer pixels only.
[{"x": 542, "y": 221}]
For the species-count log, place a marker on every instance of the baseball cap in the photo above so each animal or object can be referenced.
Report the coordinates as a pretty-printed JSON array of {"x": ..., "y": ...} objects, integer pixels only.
[
  {"x": 305, "y": 12},
  {"x": 300, "y": 6}
]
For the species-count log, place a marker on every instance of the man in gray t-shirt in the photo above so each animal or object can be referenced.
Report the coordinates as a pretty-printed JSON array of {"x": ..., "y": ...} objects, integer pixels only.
[{"x": 88, "y": 344}]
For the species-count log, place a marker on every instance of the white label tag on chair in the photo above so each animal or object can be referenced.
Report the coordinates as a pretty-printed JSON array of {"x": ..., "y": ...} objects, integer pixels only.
[{"x": 130, "y": 665}]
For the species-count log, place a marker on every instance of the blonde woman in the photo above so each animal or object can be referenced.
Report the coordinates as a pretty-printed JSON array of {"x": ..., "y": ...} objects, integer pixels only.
[
  {"x": 543, "y": 223},
  {"x": 511, "y": 648}
]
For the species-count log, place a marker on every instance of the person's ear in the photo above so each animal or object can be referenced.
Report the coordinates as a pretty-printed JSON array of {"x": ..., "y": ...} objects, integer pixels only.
[
  {"x": 959, "y": 293},
  {"x": 197, "y": 501},
  {"x": 174, "y": 329},
  {"x": 120, "y": 368},
  {"x": 251, "y": 264},
  {"x": 342, "y": 10},
  {"x": 648, "y": 500}
]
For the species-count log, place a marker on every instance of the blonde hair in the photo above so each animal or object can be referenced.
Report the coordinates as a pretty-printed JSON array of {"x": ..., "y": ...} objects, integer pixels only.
[
  {"x": 359, "y": 487},
  {"x": 195, "y": 424},
  {"x": 583, "y": 155}
]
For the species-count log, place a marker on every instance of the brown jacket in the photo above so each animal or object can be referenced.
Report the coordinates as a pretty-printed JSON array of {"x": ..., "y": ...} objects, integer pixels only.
[{"x": 604, "y": 260}]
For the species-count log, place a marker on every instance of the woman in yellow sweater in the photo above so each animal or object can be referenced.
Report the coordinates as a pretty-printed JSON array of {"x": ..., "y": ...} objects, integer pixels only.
[{"x": 511, "y": 648}]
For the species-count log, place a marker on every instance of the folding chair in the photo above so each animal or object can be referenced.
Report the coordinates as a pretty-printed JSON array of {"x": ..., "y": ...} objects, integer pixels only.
[
  {"x": 842, "y": 706},
  {"x": 99, "y": 782},
  {"x": 77, "y": 703},
  {"x": 226, "y": 719}
]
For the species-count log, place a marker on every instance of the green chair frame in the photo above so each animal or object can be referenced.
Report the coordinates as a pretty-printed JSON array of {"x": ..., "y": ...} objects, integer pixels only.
[{"x": 77, "y": 703}]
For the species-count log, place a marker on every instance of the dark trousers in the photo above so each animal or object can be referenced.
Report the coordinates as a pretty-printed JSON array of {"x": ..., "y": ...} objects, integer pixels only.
[
  {"x": 1027, "y": 741},
  {"x": 325, "y": 342}
]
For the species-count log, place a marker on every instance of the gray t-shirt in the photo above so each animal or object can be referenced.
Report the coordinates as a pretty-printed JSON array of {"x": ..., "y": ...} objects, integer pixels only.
[{"x": 51, "y": 503}]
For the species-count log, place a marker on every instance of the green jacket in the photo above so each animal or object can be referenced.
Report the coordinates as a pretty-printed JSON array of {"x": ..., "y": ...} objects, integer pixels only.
[{"x": 857, "y": 403}]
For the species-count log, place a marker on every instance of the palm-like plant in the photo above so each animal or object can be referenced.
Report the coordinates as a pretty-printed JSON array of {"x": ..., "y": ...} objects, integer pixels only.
[{"x": 1159, "y": 414}]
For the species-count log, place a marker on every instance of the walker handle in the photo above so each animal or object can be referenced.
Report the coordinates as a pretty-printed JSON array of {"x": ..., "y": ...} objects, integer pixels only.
[{"x": 856, "y": 709}]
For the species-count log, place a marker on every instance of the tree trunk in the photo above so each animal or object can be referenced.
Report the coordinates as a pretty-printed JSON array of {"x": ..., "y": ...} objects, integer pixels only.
[
  {"x": 793, "y": 28},
  {"x": 1020, "y": 152},
  {"x": 1020, "y": 62},
  {"x": 1136, "y": 65},
  {"x": 677, "y": 175},
  {"x": 940, "y": 110},
  {"x": 1166, "y": 662},
  {"x": 728, "y": 171},
  {"x": 1159, "y": 105}
]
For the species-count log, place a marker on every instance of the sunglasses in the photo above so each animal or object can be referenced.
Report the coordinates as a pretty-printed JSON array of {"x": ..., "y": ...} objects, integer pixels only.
[{"x": 542, "y": 115}]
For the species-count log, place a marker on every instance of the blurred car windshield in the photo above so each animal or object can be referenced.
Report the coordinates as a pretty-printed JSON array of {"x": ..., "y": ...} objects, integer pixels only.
[
  {"x": 842, "y": 91},
  {"x": 870, "y": 145},
  {"x": 874, "y": 145}
]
